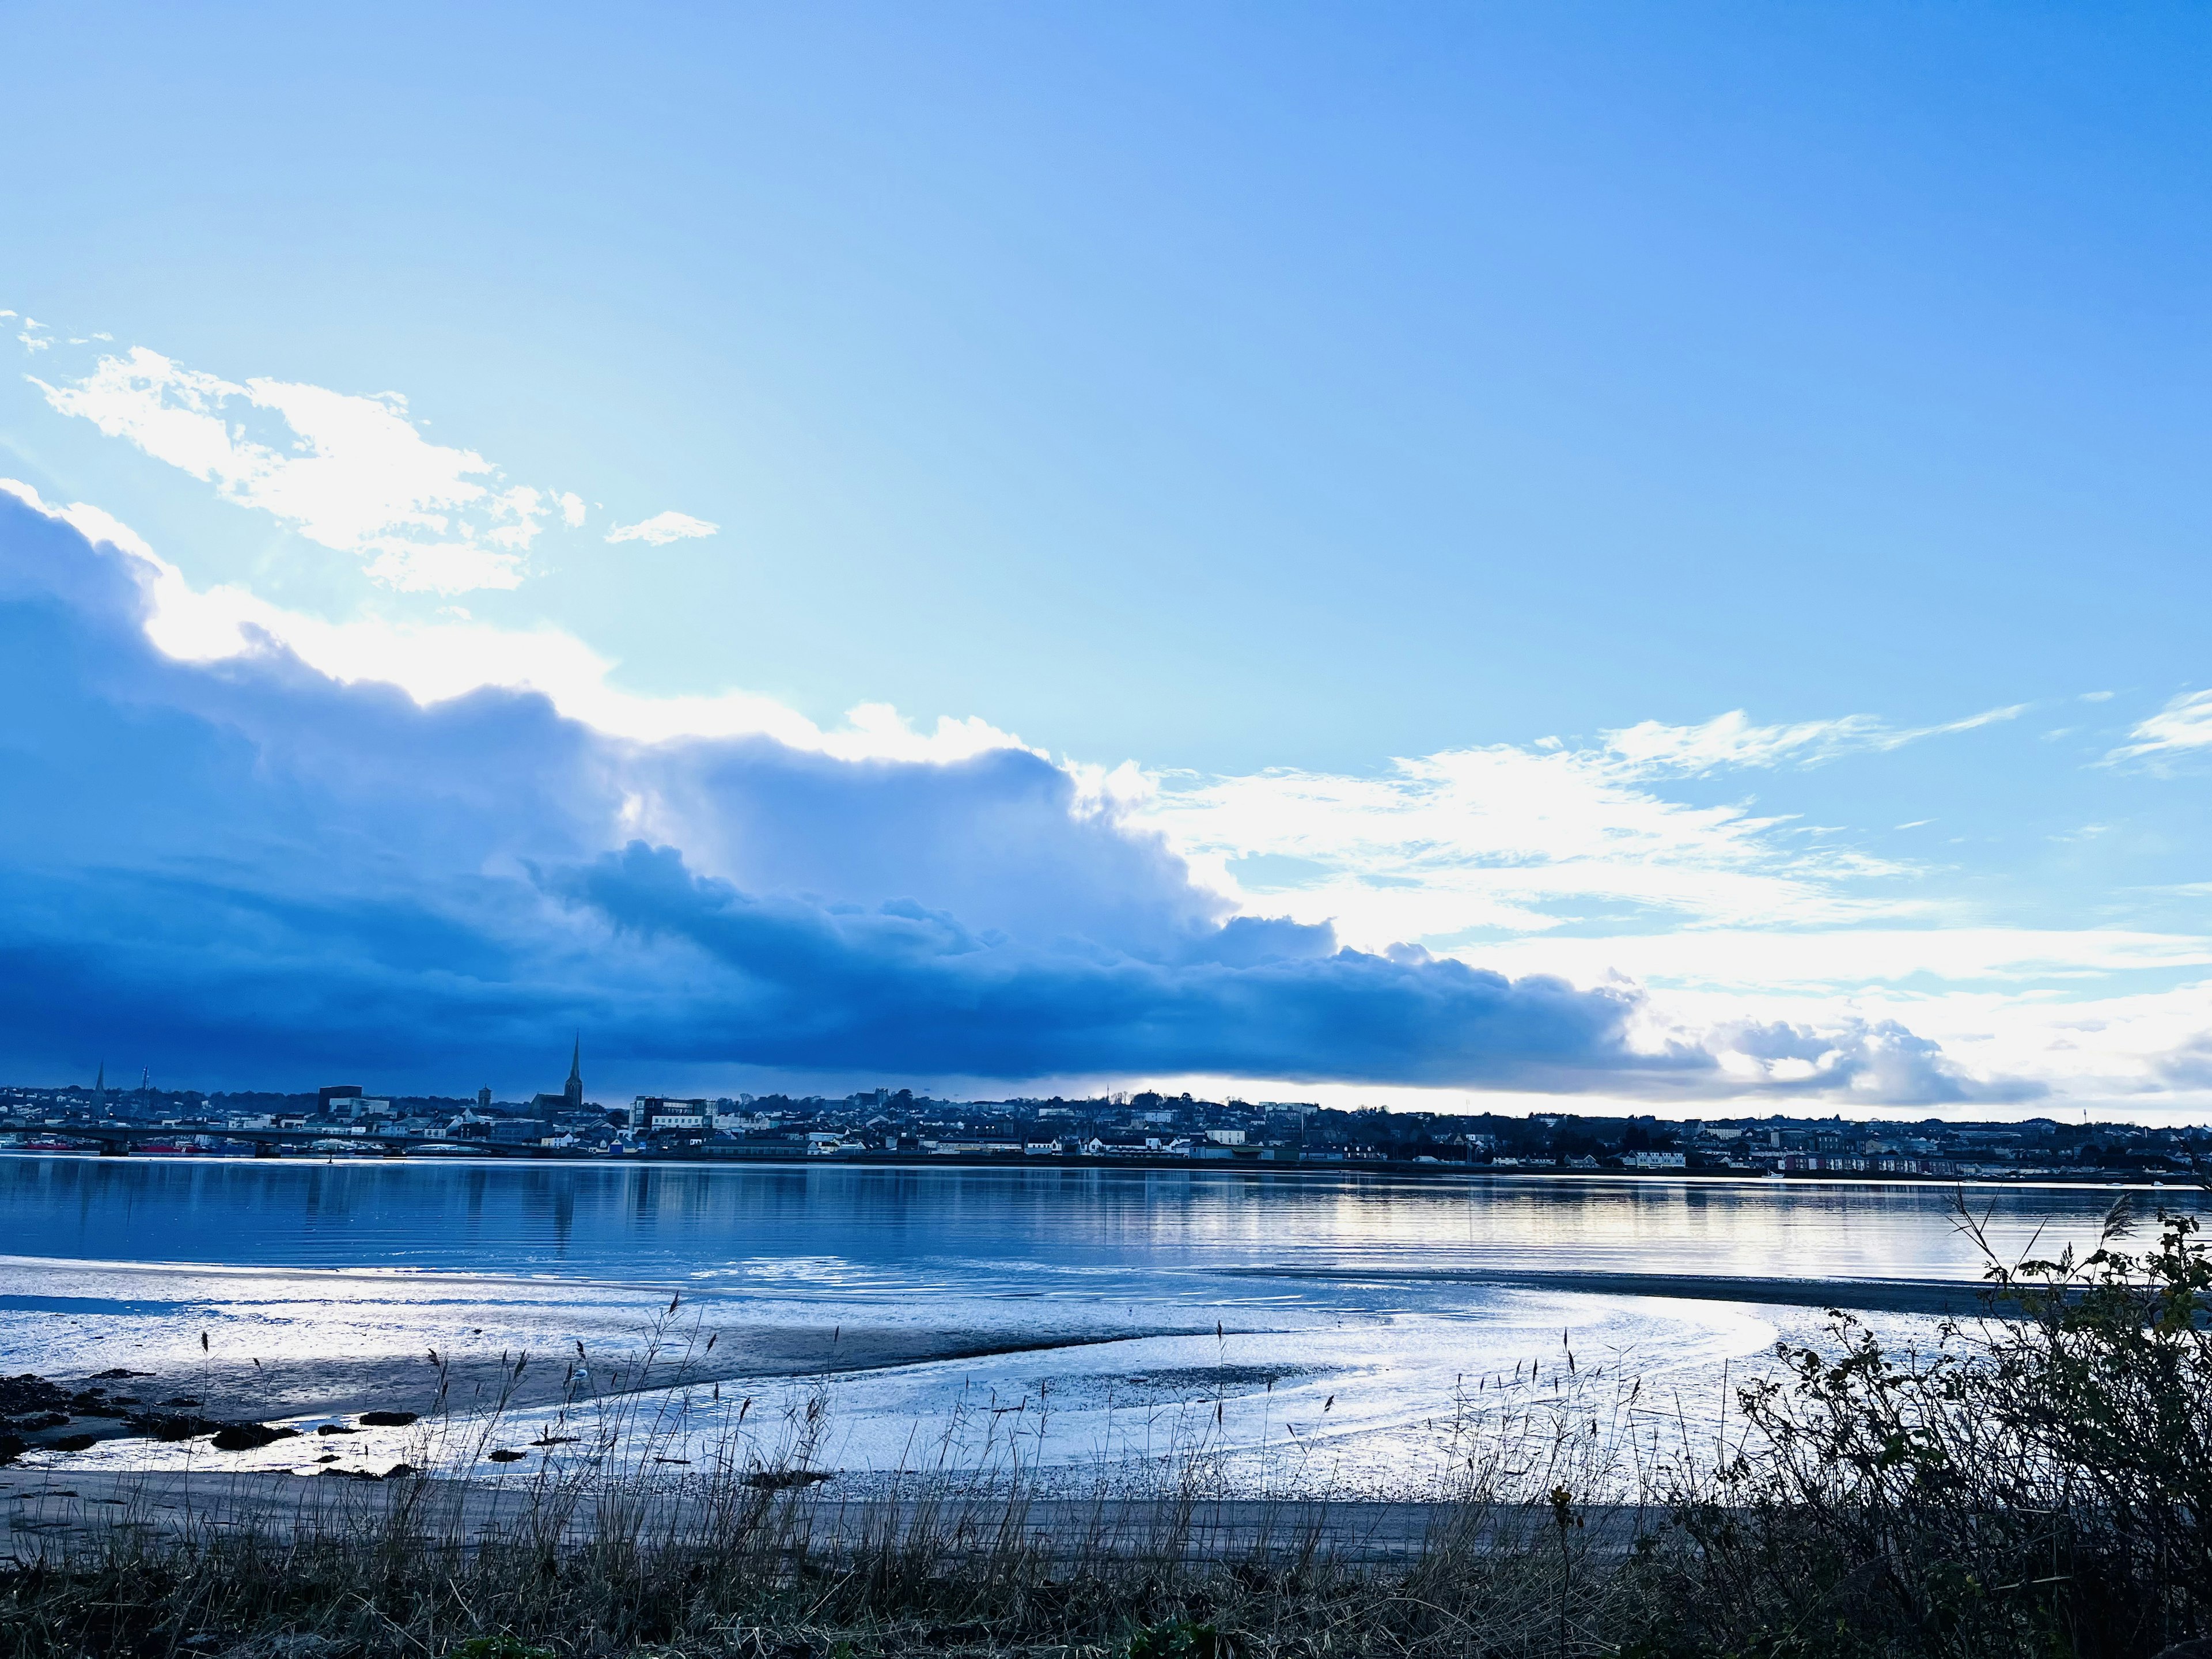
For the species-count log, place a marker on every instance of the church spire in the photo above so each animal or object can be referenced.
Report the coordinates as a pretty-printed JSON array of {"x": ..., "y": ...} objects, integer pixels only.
[{"x": 572, "y": 1094}]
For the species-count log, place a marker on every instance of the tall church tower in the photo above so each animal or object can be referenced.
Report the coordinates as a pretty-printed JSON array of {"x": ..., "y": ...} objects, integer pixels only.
[{"x": 572, "y": 1091}]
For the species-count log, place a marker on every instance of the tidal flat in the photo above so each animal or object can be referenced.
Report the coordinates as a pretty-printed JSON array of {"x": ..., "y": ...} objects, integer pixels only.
[
  {"x": 1320, "y": 1327},
  {"x": 509, "y": 1412}
]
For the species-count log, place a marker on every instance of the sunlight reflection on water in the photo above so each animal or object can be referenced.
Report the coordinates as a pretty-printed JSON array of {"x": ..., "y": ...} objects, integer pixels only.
[{"x": 944, "y": 1285}]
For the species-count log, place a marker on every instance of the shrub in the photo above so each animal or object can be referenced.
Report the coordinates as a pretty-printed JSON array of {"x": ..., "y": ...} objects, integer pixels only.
[{"x": 2041, "y": 1481}]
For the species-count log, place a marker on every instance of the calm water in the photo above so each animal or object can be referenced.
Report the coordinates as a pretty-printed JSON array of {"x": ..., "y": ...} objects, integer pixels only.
[
  {"x": 1323, "y": 1308},
  {"x": 894, "y": 1230}
]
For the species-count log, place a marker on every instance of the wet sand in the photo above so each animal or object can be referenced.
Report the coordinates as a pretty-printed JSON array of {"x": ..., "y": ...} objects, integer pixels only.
[
  {"x": 474, "y": 1377},
  {"x": 1931, "y": 1297},
  {"x": 338, "y": 1386},
  {"x": 342, "y": 1389}
]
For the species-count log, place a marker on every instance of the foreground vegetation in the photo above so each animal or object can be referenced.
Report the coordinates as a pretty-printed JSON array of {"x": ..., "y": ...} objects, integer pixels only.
[{"x": 2038, "y": 1483}]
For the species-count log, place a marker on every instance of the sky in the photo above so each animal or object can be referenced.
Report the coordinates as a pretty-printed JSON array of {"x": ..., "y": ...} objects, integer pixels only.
[{"x": 1482, "y": 557}]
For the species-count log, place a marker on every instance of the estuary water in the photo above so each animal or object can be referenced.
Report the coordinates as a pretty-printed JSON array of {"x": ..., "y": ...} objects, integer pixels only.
[{"x": 1337, "y": 1314}]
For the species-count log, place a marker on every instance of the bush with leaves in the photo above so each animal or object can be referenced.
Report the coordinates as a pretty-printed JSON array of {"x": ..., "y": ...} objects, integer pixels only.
[{"x": 2041, "y": 1481}]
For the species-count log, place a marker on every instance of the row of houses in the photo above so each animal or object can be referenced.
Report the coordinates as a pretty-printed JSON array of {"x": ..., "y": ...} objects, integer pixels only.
[{"x": 665, "y": 1120}]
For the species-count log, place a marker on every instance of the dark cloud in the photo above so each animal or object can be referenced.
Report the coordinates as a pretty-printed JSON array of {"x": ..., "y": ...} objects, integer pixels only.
[
  {"x": 2187, "y": 1066},
  {"x": 790, "y": 983},
  {"x": 248, "y": 873},
  {"x": 1885, "y": 1061}
]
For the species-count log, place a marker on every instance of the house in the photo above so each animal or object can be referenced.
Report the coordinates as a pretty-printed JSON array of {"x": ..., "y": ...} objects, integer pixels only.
[{"x": 731, "y": 1120}]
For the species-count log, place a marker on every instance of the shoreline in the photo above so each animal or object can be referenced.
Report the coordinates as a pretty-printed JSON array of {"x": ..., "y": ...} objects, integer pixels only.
[
  {"x": 281, "y": 1390},
  {"x": 535, "y": 1157},
  {"x": 1934, "y": 1296},
  {"x": 1928, "y": 1295},
  {"x": 299, "y": 1391}
]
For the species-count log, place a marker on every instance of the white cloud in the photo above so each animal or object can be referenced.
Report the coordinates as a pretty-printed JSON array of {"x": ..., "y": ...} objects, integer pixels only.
[
  {"x": 662, "y": 528},
  {"x": 29, "y": 336},
  {"x": 434, "y": 661},
  {"x": 353, "y": 474},
  {"x": 2184, "y": 723},
  {"x": 572, "y": 511},
  {"x": 2126, "y": 1056},
  {"x": 1498, "y": 837},
  {"x": 1731, "y": 740},
  {"x": 1789, "y": 957},
  {"x": 1577, "y": 850},
  {"x": 1831, "y": 960}
]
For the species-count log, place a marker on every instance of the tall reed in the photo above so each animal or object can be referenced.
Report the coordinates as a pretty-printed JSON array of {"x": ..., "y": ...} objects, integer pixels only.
[{"x": 2037, "y": 1481}]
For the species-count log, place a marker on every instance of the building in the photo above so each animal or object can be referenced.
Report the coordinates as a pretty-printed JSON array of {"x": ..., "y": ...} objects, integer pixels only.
[
  {"x": 730, "y": 1120},
  {"x": 656, "y": 1114},
  {"x": 571, "y": 1098},
  {"x": 345, "y": 1100}
]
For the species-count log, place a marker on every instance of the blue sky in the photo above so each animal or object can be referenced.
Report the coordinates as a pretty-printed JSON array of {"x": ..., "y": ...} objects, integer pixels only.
[{"x": 1702, "y": 503}]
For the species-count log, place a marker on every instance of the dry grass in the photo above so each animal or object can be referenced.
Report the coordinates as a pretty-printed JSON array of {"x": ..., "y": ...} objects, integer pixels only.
[
  {"x": 2037, "y": 1484},
  {"x": 617, "y": 1549}
]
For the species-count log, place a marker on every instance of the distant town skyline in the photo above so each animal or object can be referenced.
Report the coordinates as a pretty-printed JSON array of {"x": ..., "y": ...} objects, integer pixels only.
[
  {"x": 1146, "y": 1129},
  {"x": 1654, "y": 560}
]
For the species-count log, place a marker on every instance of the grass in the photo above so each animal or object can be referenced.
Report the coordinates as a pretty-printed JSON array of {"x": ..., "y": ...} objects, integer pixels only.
[{"x": 2034, "y": 1484}]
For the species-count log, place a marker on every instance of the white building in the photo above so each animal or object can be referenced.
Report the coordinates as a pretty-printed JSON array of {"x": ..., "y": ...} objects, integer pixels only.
[{"x": 736, "y": 1122}]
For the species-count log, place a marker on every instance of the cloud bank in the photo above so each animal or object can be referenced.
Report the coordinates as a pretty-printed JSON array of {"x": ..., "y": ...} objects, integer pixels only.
[
  {"x": 717, "y": 879},
  {"x": 248, "y": 868}
]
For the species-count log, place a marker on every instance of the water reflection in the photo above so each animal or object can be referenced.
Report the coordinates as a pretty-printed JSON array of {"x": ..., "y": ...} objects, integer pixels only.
[
  {"x": 945, "y": 1286},
  {"x": 1045, "y": 1230}
]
